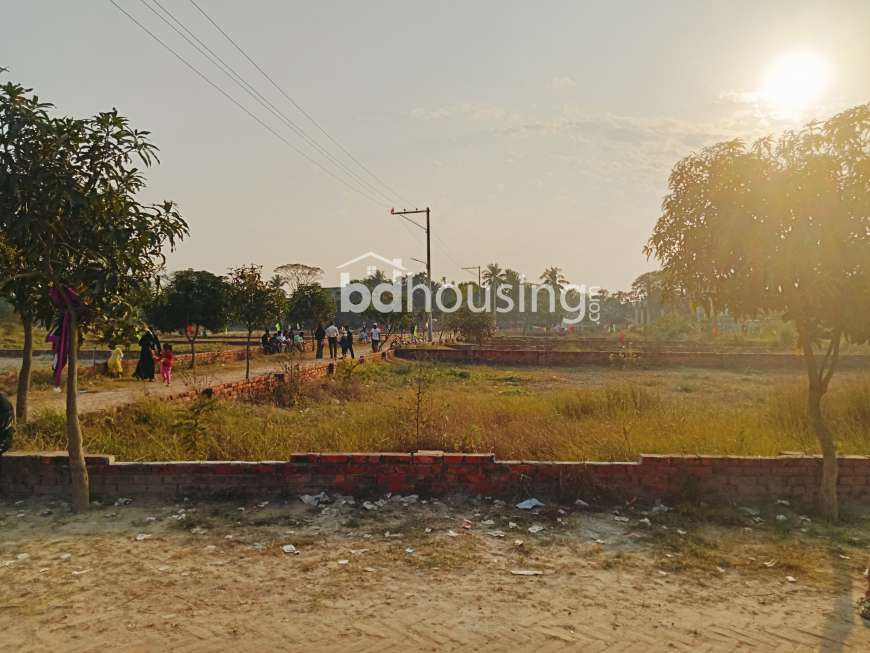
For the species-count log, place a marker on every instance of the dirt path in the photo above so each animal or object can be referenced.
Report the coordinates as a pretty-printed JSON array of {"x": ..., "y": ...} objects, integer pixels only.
[
  {"x": 112, "y": 393},
  {"x": 205, "y": 577}
]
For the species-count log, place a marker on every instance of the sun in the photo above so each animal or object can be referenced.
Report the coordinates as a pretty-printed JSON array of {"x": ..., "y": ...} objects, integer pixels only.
[{"x": 794, "y": 83}]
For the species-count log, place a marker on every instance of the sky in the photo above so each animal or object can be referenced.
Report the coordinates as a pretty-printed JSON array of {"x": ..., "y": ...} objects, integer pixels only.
[{"x": 539, "y": 133}]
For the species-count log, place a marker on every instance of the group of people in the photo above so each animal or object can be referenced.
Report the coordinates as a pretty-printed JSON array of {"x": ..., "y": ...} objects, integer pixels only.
[
  {"x": 152, "y": 358},
  {"x": 282, "y": 341},
  {"x": 336, "y": 337}
]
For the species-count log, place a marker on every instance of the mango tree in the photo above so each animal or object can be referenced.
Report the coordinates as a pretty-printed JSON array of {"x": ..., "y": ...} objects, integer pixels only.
[
  {"x": 780, "y": 226},
  {"x": 89, "y": 237}
]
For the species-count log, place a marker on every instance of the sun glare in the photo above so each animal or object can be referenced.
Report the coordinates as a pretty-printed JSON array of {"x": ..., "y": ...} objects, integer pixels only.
[{"x": 794, "y": 83}]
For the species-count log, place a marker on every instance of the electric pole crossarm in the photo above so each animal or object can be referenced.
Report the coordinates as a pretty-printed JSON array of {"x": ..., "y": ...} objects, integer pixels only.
[{"x": 404, "y": 215}]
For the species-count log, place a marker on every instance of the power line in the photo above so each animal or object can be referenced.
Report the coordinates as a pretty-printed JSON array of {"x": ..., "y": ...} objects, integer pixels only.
[
  {"x": 230, "y": 72},
  {"x": 263, "y": 101},
  {"x": 296, "y": 104},
  {"x": 263, "y": 124}
]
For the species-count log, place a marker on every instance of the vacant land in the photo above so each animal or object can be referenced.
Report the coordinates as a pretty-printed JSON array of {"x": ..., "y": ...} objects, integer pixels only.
[
  {"x": 414, "y": 575},
  {"x": 527, "y": 413}
]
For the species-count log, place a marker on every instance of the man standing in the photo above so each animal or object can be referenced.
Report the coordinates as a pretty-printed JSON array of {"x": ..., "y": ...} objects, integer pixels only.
[
  {"x": 7, "y": 423},
  {"x": 319, "y": 335},
  {"x": 332, "y": 338},
  {"x": 376, "y": 337}
]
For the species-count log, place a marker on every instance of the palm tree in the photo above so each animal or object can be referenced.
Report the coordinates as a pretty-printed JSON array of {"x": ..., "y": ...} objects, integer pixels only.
[
  {"x": 554, "y": 278},
  {"x": 512, "y": 277},
  {"x": 493, "y": 276},
  {"x": 514, "y": 281}
]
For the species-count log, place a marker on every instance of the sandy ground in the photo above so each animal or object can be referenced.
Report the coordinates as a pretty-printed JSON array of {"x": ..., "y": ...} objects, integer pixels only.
[
  {"x": 199, "y": 576},
  {"x": 105, "y": 393}
]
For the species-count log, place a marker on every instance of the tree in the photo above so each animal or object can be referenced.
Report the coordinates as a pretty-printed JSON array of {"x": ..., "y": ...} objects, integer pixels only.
[
  {"x": 89, "y": 237},
  {"x": 780, "y": 226},
  {"x": 390, "y": 321},
  {"x": 23, "y": 139},
  {"x": 294, "y": 275},
  {"x": 193, "y": 300},
  {"x": 253, "y": 303},
  {"x": 310, "y": 304},
  {"x": 554, "y": 278},
  {"x": 471, "y": 326},
  {"x": 493, "y": 276},
  {"x": 276, "y": 284}
]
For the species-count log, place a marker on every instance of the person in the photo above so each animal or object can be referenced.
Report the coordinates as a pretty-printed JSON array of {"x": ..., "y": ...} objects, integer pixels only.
[
  {"x": 280, "y": 341},
  {"x": 264, "y": 341},
  {"x": 363, "y": 335},
  {"x": 115, "y": 364},
  {"x": 319, "y": 335},
  {"x": 299, "y": 341},
  {"x": 376, "y": 337},
  {"x": 347, "y": 342},
  {"x": 149, "y": 345},
  {"x": 7, "y": 423},
  {"x": 342, "y": 340},
  {"x": 166, "y": 360},
  {"x": 332, "y": 338}
]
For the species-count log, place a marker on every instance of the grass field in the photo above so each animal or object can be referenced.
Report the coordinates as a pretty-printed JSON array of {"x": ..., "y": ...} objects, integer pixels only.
[{"x": 526, "y": 413}]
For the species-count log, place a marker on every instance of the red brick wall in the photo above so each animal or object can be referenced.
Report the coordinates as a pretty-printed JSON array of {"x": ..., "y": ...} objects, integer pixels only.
[
  {"x": 729, "y": 360},
  {"x": 716, "y": 479},
  {"x": 266, "y": 382}
]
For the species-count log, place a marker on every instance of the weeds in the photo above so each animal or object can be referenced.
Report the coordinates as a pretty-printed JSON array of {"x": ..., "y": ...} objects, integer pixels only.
[{"x": 594, "y": 415}]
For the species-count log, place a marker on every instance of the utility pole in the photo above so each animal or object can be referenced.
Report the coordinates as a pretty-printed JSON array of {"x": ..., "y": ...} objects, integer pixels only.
[
  {"x": 475, "y": 267},
  {"x": 404, "y": 213}
]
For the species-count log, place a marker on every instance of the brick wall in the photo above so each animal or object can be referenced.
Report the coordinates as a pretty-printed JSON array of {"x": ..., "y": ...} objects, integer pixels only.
[
  {"x": 716, "y": 479},
  {"x": 266, "y": 382},
  {"x": 727, "y": 360},
  {"x": 183, "y": 360}
]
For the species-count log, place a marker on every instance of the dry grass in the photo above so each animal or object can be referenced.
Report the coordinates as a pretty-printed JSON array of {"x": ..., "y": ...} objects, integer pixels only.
[{"x": 515, "y": 413}]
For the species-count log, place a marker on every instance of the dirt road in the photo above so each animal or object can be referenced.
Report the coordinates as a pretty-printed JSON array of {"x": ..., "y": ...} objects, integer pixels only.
[
  {"x": 111, "y": 393},
  {"x": 207, "y": 577}
]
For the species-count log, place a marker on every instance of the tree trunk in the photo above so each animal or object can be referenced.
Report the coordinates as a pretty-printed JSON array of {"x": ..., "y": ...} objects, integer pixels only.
[
  {"x": 248, "y": 357},
  {"x": 192, "y": 342},
  {"x": 25, "y": 373},
  {"x": 828, "y": 491},
  {"x": 819, "y": 379},
  {"x": 77, "y": 468}
]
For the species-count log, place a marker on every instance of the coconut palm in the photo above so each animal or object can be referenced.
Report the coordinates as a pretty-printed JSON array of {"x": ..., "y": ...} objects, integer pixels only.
[
  {"x": 512, "y": 278},
  {"x": 553, "y": 277},
  {"x": 493, "y": 275}
]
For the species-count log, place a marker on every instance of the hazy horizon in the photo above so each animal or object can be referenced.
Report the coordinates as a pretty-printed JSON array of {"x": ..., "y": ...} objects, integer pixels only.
[{"x": 537, "y": 137}]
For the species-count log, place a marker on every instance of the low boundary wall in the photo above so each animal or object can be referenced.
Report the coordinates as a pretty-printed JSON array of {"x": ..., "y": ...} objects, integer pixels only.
[
  {"x": 715, "y": 479},
  {"x": 726, "y": 360},
  {"x": 266, "y": 382}
]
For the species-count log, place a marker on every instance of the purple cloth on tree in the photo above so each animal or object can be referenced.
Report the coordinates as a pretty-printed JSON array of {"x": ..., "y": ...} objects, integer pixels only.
[{"x": 60, "y": 341}]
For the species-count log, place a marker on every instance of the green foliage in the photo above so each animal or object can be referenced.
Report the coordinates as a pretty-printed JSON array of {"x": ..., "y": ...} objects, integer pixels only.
[
  {"x": 309, "y": 304},
  {"x": 781, "y": 225},
  {"x": 194, "y": 298},
  {"x": 469, "y": 325},
  {"x": 252, "y": 301},
  {"x": 70, "y": 209}
]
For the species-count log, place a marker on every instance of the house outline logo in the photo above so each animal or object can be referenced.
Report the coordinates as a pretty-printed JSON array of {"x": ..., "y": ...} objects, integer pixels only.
[{"x": 395, "y": 264}]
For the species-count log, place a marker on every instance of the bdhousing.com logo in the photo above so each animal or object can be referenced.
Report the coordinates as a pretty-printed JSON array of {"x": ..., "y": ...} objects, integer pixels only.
[{"x": 573, "y": 302}]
